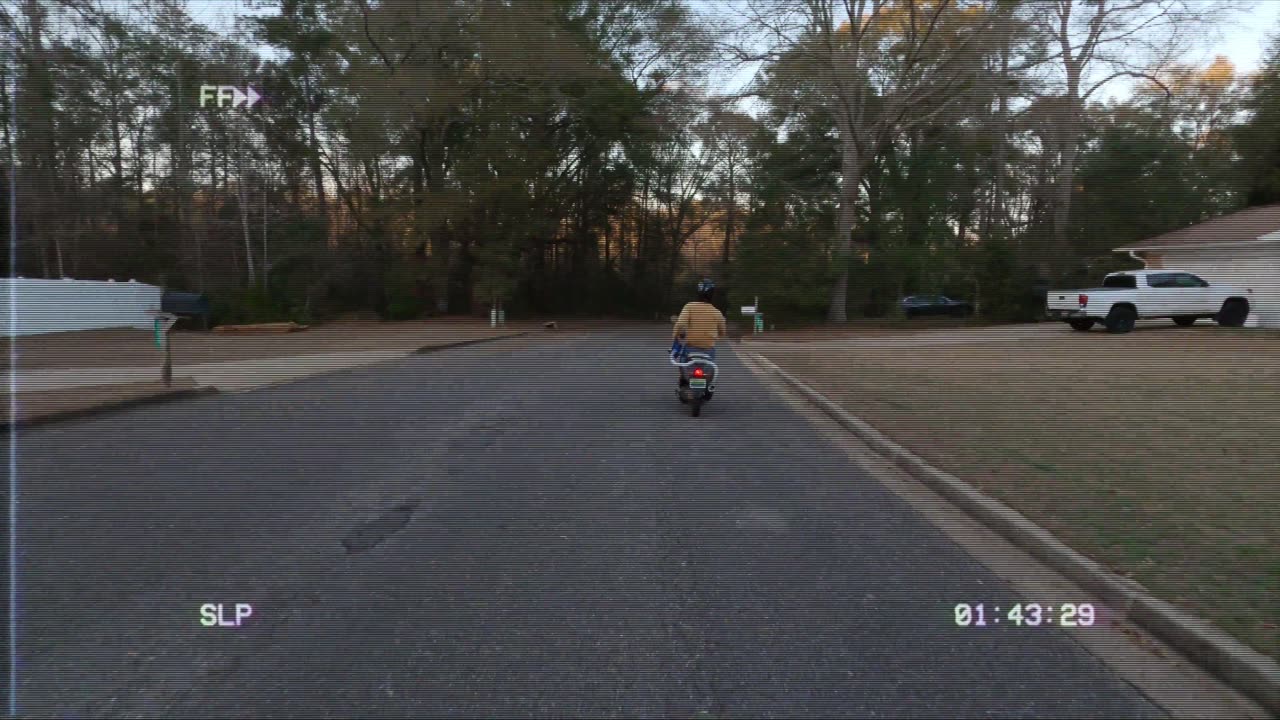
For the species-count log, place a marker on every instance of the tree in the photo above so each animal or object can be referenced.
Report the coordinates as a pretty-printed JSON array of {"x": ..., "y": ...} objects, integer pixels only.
[
  {"x": 728, "y": 134},
  {"x": 1137, "y": 180},
  {"x": 37, "y": 138},
  {"x": 1098, "y": 42},
  {"x": 884, "y": 67},
  {"x": 299, "y": 28},
  {"x": 784, "y": 250},
  {"x": 1257, "y": 139},
  {"x": 430, "y": 157}
]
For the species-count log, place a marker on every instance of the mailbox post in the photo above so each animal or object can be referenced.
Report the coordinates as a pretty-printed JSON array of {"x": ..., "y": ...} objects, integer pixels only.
[
  {"x": 163, "y": 322},
  {"x": 757, "y": 318}
]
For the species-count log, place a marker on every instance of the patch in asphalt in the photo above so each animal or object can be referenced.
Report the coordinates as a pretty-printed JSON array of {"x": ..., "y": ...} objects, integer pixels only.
[{"x": 370, "y": 534}]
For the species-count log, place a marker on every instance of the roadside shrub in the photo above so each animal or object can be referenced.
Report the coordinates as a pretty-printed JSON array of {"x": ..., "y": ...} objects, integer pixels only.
[
  {"x": 247, "y": 306},
  {"x": 788, "y": 270},
  {"x": 402, "y": 298},
  {"x": 1008, "y": 290}
]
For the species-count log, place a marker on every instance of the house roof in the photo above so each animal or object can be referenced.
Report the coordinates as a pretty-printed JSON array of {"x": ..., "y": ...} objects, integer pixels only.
[{"x": 1244, "y": 226}]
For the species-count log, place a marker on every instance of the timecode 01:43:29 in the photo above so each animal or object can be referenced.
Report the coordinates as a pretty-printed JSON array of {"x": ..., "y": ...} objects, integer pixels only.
[{"x": 1067, "y": 615}]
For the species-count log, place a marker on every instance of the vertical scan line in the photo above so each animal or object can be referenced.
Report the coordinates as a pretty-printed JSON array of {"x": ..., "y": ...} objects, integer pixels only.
[{"x": 13, "y": 395}]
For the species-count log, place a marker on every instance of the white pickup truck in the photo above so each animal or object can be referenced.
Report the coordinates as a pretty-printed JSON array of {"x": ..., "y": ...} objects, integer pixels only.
[{"x": 1126, "y": 296}]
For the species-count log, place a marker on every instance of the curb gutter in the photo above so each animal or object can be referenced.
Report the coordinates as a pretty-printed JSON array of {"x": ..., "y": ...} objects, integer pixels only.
[
  {"x": 425, "y": 349},
  {"x": 1237, "y": 664},
  {"x": 106, "y": 408}
]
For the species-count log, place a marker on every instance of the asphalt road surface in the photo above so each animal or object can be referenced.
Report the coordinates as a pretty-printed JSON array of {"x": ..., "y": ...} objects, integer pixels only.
[{"x": 530, "y": 528}]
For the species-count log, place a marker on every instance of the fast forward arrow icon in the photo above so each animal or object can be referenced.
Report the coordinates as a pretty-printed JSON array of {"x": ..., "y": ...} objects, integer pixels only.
[
  {"x": 237, "y": 97},
  {"x": 253, "y": 97}
]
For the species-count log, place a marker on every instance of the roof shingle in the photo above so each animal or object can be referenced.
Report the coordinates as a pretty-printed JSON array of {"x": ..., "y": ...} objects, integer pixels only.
[{"x": 1243, "y": 226}]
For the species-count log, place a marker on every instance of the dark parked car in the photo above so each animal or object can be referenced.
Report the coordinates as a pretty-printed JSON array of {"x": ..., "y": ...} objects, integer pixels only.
[{"x": 919, "y": 305}]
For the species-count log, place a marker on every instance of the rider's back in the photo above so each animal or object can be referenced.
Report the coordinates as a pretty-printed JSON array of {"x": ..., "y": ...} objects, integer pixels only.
[{"x": 703, "y": 324}]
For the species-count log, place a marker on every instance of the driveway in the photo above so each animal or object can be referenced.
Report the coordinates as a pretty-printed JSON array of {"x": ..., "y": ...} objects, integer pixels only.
[
  {"x": 519, "y": 529},
  {"x": 934, "y": 337}
]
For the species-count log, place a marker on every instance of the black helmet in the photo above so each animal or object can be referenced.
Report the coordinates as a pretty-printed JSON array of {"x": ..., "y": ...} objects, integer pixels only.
[{"x": 706, "y": 288}]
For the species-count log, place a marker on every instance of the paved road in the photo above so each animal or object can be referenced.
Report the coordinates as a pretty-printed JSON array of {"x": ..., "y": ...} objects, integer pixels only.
[{"x": 526, "y": 528}]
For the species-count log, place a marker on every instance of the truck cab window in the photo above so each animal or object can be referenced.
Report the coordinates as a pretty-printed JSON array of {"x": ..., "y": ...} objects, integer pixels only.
[{"x": 1121, "y": 281}]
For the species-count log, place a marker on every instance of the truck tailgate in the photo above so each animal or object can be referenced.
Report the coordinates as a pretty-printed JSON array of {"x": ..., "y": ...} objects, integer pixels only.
[{"x": 1063, "y": 299}]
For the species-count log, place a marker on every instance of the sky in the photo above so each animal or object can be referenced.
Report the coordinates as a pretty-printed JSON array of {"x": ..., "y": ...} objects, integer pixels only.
[
  {"x": 1242, "y": 39},
  {"x": 1245, "y": 41}
]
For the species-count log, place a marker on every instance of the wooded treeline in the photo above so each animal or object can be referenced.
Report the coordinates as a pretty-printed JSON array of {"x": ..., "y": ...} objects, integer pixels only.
[{"x": 418, "y": 158}]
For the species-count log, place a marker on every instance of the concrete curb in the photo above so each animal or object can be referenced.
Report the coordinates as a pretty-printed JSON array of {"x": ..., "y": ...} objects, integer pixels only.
[
  {"x": 106, "y": 408},
  {"x": 1235, "y": 663},
  {"x": 425, "y": 349}
]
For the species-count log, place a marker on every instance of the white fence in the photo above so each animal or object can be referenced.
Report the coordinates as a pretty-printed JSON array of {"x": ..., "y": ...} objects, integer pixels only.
[{"x": 47, "y": 306}]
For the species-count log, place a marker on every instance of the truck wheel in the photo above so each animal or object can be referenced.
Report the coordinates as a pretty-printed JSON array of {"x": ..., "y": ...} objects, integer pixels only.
[
  {"x": 1082, "y": 324},
  {"x": 1185, "y": 321},
  {"x": 1233, "y": 313},
  {"x": 1121, "y": 320}
]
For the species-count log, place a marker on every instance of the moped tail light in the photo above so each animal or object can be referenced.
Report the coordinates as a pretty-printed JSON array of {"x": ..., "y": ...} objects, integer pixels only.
[
  {"x": 697, "y": 372},
  {"x": 1084, "y": 300}
]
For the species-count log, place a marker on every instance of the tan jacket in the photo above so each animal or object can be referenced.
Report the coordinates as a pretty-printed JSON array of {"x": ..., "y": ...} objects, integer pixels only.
[{"x": 702, "y": 323}]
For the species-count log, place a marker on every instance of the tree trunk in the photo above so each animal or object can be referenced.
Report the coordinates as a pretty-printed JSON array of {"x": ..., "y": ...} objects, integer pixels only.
[
  {"x": 433, "y": 160},
  {"x": 226, "y": 167},
  {"x": 316, "y": 173},
  {"x": 266, "y": 273},
  {"x": 36, "y": 104},
  {"x": 235, "y": 255},
  {"x": 996, "y": 208},
  {"x": 1063, "y": 189},
  {"x": 851, "y": 167},
  {"x": 642, "y": 235},
  {"x": 213, "y": 173},
  {"x": 44, "y": 250},
  {"x": 138, "y": 168},
  {"x": 1068, "y": 139},
  {"x": 243, "y": 188},
  {"x": 187, "y": 207},
  {"x": 117, "y": 154},
  {"x": 729, "y": 217},
  {"x": 4, "y": 101}
]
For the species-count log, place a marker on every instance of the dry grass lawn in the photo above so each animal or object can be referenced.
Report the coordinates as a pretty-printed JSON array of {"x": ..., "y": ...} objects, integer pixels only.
[{"x": 1157, "y": 453}]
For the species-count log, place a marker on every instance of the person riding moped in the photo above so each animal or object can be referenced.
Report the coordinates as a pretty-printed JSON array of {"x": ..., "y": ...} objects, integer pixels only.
[{"x": 698, "y": 327}]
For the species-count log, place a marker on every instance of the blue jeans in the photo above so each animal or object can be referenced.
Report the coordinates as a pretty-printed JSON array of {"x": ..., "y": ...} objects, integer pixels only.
[{"x": 711, "y": 353}]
